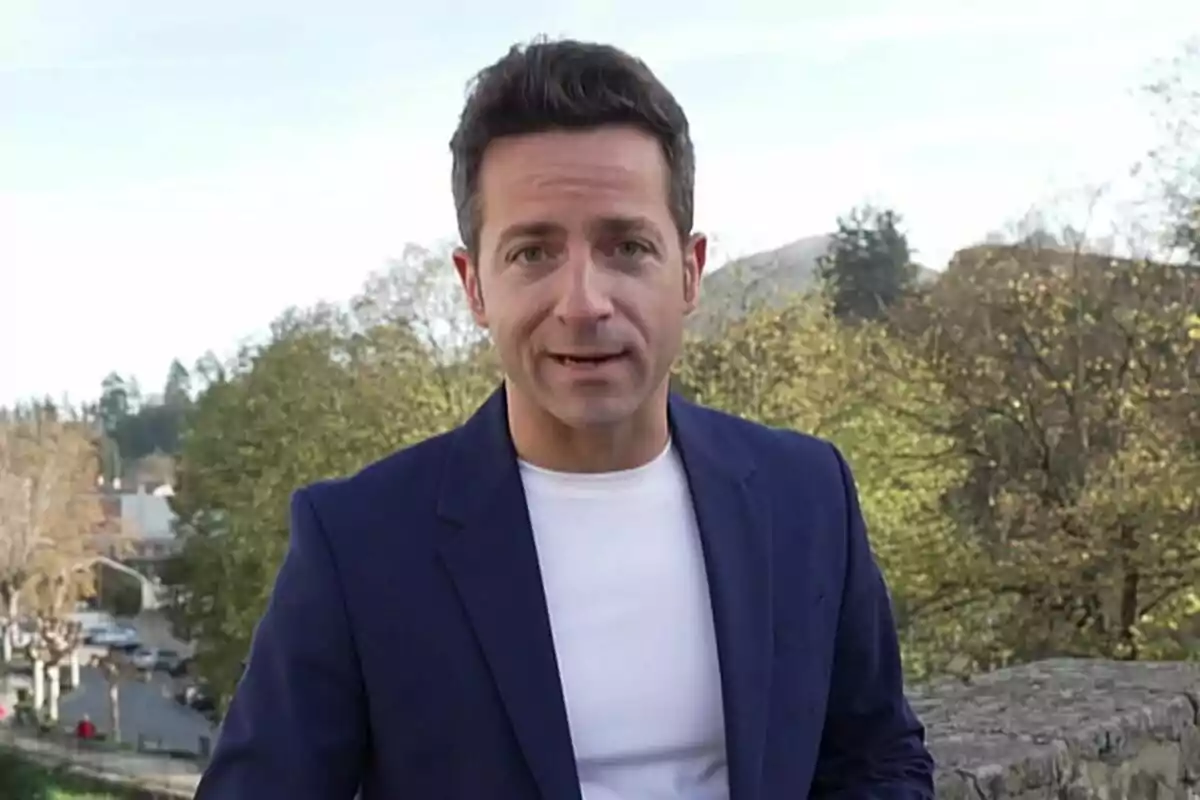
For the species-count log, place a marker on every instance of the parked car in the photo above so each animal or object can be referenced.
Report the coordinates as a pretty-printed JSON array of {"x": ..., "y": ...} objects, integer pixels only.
[
  {"x": 117, "y": 637},
  {"x": 182, "y": 668},
  {"x": 197, "y": 697},
  {"x": 155, "y": 659}
]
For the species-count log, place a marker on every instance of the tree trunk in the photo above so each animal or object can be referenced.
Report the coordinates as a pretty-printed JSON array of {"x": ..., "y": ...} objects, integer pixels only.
[
  {"x": 55, "y": 675},
  {"x": 12, "y": 609},
  {"x": 39, "y": 686},
  {"x": 1130, "y": 584},
  {"x": 75, "y": 668},
  {"x": 114, "y": 710}
]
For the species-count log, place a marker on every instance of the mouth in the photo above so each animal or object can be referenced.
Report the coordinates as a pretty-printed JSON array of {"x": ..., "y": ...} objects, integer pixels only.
[{"x": 586, "y": 360}]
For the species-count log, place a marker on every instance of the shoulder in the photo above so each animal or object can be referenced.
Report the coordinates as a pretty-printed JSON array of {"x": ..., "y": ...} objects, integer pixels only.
[
  {"x": 403, "y": 477},
  {"x": 796, "y": 469},
  {"x": 769, "y": 447},
  {"x": 802, "y": 478}
]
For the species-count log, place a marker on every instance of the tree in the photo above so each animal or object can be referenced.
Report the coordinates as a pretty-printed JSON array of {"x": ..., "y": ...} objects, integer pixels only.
[
  {"x": 1177, "y": 104},
  {"x": 135, "y": 430},
  {"x": 331, "y": 390},
  {"x": 116, "y": 668},
  {"x": 794, "y": 366},
  {"x": 867, "y": 267},
  {"x": 114, "y": 402},
  {"x": 178, "y": 391},
  {"x": 49, "y": 508},
  {"x": 1072, "y": 383},
  {"x": 155, "y": 428},
  {"x": 55, "y": 638}
]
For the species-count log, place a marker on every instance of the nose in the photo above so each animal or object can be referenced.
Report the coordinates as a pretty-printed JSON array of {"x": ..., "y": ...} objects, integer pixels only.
[{"x": 584, "y": 296}]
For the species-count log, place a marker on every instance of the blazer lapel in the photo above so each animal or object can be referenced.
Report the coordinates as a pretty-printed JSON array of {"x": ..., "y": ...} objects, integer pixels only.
[
  {"x": 735, "y": 531},
  {"x": 492, "y": 559}
]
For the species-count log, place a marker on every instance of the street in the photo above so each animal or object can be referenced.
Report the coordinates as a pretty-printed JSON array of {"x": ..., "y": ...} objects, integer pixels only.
[{"x": 147, "y": 709}]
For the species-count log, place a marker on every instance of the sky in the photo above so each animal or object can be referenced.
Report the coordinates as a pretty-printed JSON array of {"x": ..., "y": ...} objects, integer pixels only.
[{"x": 175, "y": 174}]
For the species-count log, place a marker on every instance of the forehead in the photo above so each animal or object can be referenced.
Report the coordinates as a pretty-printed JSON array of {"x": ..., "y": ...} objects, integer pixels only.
[{"x": 556, "y": 175}]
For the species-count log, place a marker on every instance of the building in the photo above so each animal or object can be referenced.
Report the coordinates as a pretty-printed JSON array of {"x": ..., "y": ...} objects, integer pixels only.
[
  {"x": 148, "y": 524},
  {"x": 139, "y": 526}
]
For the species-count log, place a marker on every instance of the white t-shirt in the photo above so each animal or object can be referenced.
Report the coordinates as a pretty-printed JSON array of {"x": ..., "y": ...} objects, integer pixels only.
[{"x": 627, "y": 592}]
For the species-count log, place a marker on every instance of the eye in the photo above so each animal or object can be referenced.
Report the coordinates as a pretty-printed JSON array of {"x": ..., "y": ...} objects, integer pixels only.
[
  {"x": 632, "y": 248},
  {"x": 529, "y": 254}
]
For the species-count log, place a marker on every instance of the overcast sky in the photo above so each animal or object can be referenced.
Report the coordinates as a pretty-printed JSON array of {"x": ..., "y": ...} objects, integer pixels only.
[{"x": 174, "y": 174}]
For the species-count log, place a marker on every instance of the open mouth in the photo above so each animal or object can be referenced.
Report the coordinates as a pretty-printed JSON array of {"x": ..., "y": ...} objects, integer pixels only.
[{"x": 586, "y": 360}]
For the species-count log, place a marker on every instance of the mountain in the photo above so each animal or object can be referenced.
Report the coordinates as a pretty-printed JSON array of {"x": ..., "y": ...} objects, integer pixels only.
[
  {"x": 750, "y": 281},
  {"x": 769, "y": 276}
]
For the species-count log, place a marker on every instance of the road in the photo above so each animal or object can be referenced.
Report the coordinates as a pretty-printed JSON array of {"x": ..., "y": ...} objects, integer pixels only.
[
  {"x": 154, "y": 631},
  {"x": 147, "y": 709}
]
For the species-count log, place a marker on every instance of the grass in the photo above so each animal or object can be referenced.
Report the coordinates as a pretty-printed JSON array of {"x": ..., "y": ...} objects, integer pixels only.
[{"x": 22, "y": 780}]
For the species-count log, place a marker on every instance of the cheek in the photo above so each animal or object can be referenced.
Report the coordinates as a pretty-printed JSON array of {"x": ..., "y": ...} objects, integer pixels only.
[
  {"x": 513, "y": 321},
  {"x": 654, "y": 310}
]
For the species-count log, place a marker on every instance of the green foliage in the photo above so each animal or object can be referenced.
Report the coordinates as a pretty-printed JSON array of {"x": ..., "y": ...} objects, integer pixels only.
[
  {"x": 1025, "y": 437},
  {"x": 178, "y": 391},
  {"x": 868, "y": 268},
  {"x": 118, "y": 593},
  {"x": 794, "y": 366},
  {"x": 22, "y": 779},
  {"x": 1072, "y": 384},
  {"x": 330, "y": 391},
  {"x": 135, "y": 429}
]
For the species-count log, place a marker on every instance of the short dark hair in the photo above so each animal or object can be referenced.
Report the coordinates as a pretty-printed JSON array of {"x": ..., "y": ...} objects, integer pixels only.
[{"x": 567, "y": 85}]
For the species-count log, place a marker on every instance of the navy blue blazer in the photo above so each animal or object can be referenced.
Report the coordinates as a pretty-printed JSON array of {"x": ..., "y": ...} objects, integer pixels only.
[{"x": 406, "y": 647}]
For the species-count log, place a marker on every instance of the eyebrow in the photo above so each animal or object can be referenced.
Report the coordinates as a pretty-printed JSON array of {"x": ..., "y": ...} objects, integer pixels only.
[
  {"x": 608, "y": 226},
  {"x": 616, "y": 226},
  {"x": 532, "y": 230}
]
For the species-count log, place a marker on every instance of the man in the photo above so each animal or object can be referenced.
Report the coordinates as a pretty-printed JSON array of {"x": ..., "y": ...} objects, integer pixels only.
[
  {"x": 85, "y": 729},
  {"x": 592, "y": 589}
]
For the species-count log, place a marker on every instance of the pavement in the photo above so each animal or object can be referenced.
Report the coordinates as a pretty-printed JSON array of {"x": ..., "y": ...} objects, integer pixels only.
[{"x": 148, "y": 708}]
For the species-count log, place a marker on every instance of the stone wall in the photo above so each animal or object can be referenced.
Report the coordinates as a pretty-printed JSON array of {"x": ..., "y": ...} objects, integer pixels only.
[{"x": 1067, "y": 729}]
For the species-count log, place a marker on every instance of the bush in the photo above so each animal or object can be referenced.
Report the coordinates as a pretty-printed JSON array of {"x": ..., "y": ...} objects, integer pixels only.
[{"x": 22, "y": 779}]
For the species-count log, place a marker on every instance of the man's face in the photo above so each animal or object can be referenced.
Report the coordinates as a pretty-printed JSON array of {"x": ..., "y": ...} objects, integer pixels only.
[{"x": 580, "y": 276}]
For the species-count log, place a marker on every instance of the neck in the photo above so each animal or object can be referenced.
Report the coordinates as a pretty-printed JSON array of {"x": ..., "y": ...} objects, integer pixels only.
[{"x": 545, "y": 441}]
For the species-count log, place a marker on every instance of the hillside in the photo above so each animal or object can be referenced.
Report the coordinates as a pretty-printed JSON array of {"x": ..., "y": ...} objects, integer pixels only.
[
  {"x": 749, "y": 281},
  {"x": 768, "y": 276}
]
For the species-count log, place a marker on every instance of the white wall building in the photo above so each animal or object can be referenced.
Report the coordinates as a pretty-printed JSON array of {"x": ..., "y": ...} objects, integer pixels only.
[{"x": 147, "y": 519}]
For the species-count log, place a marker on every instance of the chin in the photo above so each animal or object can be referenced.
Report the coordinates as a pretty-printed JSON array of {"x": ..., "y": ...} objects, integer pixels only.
[{"x": 592, "y": 412}]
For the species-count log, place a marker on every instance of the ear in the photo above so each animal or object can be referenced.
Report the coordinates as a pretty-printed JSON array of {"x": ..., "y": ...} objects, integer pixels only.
[
  {"x": 468, "y": 276},
  {"x": 695, "y": 256}
]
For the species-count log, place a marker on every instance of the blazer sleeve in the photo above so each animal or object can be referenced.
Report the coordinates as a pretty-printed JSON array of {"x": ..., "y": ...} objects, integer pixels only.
[
  {"x": 873, "y": 745},
  {"x": 297, "y": 725}
]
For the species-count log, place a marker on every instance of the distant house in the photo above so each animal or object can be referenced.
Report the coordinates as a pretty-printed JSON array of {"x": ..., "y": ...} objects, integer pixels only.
[{"x": 148, "y": 523}]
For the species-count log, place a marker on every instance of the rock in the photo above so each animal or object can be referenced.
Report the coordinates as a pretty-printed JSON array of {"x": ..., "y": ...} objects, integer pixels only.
[{"x": 1071, "y": 729}]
